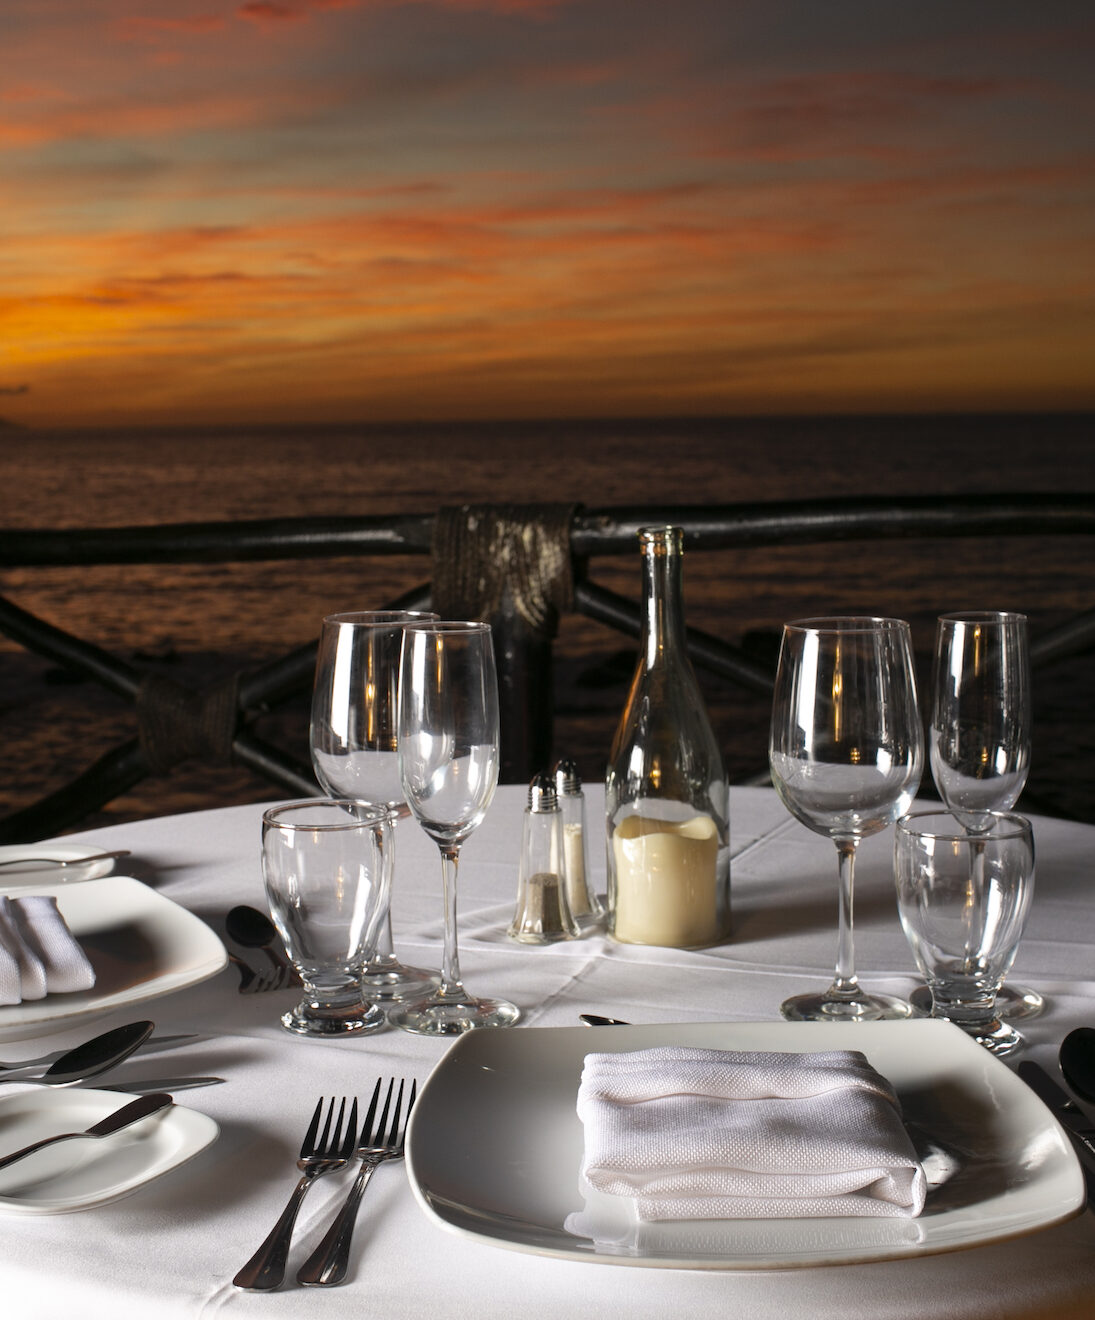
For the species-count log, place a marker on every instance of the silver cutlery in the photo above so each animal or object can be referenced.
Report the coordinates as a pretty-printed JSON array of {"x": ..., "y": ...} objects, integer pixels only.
[
  {"x": 158, "y": 1084},
  {"x": 595, "y": 1020},
  {"x": 1077, "y": 1060},
  {"x": 321, "y": 1152},
  {"x": 327, "y": 1264},
  {"x": 149, "y": 1046},
  {"x": 93, "y": 1057},
  {"x": 252, "y": 929},
  {"x": 36, "y": 862},
  {"x": 253, "y": 982},
  {"x": 129, "y": 1113}
]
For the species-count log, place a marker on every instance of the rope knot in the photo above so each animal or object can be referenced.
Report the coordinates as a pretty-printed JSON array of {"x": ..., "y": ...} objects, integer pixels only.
[
  {"x": 486, "y": 553},
  {"x": 176, "y": 723}
]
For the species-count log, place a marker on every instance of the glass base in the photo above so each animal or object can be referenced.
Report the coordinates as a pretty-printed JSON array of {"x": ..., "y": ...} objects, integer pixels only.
[
  {"x": 997, "y": 1037},
  {"x": 309, "y": 1018},
  {"x": 825, "y": 1007},
  {"x": 453, "y": 1017},
  {"x": 1014, "y": 1003},
  {"x": 390, "y": 981}
]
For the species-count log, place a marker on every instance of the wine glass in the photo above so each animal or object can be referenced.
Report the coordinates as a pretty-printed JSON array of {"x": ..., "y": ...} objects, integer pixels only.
[
  {"x": 448, "y": 764},
  {"x": 846, "y": 752},
  {"x": 353, "y": 742},
  {"x": 980, "y": 740}
]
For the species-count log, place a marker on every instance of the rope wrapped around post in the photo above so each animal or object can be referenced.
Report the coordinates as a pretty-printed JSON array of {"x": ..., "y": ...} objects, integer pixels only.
[
  {"x": 489, "y": 557},
  {"x": 176, "y": 723},
  {"x": 510, "y": 564}
]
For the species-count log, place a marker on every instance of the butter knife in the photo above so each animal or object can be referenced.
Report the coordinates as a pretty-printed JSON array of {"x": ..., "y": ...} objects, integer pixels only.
[
  {"x": 156, "y": 1084},
  {"x": 1068, "y": 1114}
]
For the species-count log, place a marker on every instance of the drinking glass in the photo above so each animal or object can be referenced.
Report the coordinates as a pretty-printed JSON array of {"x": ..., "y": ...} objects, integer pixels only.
[
  {"x": 323, "y": 868},
  {"x": 355, "y": 700},
  {"x": 448, "y": 764},
  {"x": 980, "y": 738},
  {"x": 846, "y": 752},
  {"x": 963, "y": 899}
]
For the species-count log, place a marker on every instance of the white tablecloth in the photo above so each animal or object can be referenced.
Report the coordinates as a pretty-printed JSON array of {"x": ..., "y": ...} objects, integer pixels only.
[{"x": 171, "y": 1249}]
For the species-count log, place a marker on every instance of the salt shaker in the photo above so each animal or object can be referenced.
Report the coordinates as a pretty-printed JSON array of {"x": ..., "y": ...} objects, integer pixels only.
[
  {"x": 584, "y": 904},
  {"x": 542, "y": 914}
]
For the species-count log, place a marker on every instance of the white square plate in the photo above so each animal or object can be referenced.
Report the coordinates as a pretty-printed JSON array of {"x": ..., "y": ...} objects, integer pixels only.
[
  {"x": 141, "y": 945},
  {"x": 495, "y": 1145}
]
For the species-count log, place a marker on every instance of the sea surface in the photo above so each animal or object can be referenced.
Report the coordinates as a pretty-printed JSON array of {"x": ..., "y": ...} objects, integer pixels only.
[{"x": 196, "y": 621}]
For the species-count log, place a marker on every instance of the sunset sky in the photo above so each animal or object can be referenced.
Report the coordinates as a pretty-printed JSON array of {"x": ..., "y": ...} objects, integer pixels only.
[{"x": 327, "y": 210}]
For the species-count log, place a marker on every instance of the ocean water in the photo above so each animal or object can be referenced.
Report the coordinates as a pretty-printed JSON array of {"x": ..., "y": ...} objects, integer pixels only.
[{"x": 194, "y": 621}]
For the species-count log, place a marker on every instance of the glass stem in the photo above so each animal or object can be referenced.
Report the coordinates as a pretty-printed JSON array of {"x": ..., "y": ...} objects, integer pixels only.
[
  {"x": 845, "y": 985},
  {"x": 974, "y": 899},
  {"x": 383, "y": 955},
  {"x": 451, "y": 986}
]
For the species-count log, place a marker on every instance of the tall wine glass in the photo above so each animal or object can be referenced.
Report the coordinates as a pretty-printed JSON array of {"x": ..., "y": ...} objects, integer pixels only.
[
  {"x": 448, "y": 763},
  {"x": 980, "y": 739},
  {"x": 846, "y": 752},
  {"x": 353, "y": 741}
]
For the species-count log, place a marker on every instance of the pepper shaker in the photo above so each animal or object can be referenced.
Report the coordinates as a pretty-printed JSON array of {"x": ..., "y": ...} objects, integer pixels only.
[
  {"x": 542, "y": 914},
  {"x": 584, "y": 904}
]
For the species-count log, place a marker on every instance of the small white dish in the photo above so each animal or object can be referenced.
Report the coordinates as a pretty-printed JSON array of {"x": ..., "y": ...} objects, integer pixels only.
[
  {"x": 141, "y": 945},
  {"x": 14, "y": 876},
  {"x": 78, "y": 1175},
  {"x": 495, "y": 1145}
]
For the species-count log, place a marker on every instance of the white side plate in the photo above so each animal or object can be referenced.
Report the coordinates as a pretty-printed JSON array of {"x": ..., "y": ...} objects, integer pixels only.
[
  {"x": 77, "y": 1175},
  {"x": 14, "y": 876},
  {"x": 141, "y": 945},
  {"x": 495, "y": 1146}
]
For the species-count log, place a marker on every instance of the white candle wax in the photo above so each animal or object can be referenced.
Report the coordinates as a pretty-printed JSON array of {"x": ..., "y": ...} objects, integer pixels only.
[{"x": 665, "y": 881}]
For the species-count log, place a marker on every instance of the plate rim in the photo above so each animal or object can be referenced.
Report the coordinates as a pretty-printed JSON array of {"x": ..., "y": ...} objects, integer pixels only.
[{"x": 587, "y": 1250}]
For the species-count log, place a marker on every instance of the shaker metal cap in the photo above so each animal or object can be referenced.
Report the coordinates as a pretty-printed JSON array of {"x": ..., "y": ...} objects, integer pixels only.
[
  {"x": 568, "y": 782},
  {"x": 541, "y": 794}
]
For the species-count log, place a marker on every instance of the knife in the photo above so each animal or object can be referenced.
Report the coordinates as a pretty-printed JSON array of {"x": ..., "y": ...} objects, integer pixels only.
[
  {"x": 156, "y": 1084},
  {"x": 1068, "y": 1114},
  {"x": 115, "y": 1122}
]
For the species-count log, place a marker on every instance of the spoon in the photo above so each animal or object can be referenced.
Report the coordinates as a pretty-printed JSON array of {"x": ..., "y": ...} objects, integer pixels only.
[
  {"x": 154, "y": 1043},
  {"x": 1077, "y": 1058},
  {"x": 595, "y": 1020},
  {"x": 252, "y": 929},
  {"x": 94, "y": 1056},
  {"x": 120, "y": 1118}
]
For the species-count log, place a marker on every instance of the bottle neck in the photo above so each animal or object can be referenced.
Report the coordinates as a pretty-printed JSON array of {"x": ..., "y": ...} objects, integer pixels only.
[{"x": 663, "y": 604}]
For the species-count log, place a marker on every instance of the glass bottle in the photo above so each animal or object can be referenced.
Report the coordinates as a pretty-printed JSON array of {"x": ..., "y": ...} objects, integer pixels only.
[
  {"x": 584, "y": 903},
  {"x": 666, "y": 793},
  {"x": 542, "y": 914}
]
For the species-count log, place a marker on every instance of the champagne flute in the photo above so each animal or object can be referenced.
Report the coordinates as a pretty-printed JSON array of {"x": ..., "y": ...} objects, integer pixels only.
[
  {"x": 448, "y": 764},
  {"x": 846, "y": 752},
  {"x": 980, "y": 740},
  {"x": 353, "y": 743}
]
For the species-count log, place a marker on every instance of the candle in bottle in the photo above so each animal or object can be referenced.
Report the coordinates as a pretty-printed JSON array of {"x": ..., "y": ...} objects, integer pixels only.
[{"x": 666, "y": 881}]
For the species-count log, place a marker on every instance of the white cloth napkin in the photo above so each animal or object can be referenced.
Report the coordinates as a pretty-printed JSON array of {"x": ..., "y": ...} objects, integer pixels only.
[
  {"x": 39, "y": 955},
  {"x": 714, "y": 1134}
]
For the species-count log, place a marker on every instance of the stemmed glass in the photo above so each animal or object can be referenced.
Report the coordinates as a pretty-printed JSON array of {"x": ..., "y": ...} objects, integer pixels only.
[
  {"x": 353, "y": 742},
  {"x": 448, "y": 764},
  {"x": 980, "y": 740},
  {"x": 846, "y": 752}
]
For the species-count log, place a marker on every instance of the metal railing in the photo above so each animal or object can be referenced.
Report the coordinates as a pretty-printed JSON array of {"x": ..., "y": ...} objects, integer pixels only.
[{"x": 523, "y": 602}]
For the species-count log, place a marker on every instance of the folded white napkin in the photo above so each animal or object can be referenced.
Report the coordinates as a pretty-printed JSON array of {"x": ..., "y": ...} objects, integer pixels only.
[
  {"x": 716, "y": 1134},
  {"x": 38, "y": 953}
]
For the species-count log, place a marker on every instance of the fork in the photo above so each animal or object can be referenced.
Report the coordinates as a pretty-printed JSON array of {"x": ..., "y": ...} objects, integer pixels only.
[
  {"x": 321, "y": 1154},
  {"x": 326, "y": 1265},
  {"x": 253, "y": 982}
]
